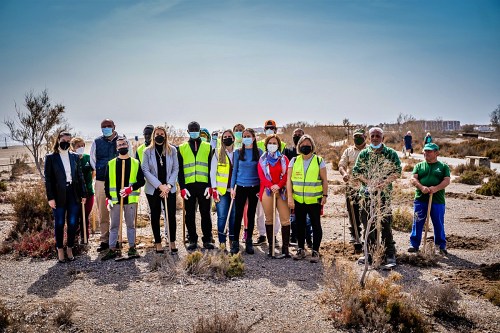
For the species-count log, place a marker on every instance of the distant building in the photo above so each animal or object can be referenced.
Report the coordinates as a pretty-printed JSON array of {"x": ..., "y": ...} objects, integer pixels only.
[
  {"x": 484, "y": 128},
  {"x": 438, "y": 125}
]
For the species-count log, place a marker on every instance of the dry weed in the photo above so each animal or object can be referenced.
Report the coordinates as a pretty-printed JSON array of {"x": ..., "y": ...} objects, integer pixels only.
[
  {"x": 493, "y": 294},
  {"x": 4, "y": 317},
  {"x": 402, "y": 219},
  {"x": 222, "y": 324},
  {"x": 65, "y": 315},
  {"x": 491, "y": 188}
]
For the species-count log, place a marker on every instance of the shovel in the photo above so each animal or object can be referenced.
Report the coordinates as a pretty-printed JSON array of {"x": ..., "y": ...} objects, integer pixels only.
[
  {"x": 84, "y": 224},
  {"x": 427, "y": 218},
  {"x": 358, "y": 247}
]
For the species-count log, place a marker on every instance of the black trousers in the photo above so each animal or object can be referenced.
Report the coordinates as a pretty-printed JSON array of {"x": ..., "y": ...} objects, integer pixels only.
[
  {"x": 197, "y": 191},
  {"x": 242, "y": 194},
  {"x": 355, "y": 219},
  {"x": 386, "y": 225},
  {"x": 301, "y": 212},
  {"x": 155, "y": 204}
]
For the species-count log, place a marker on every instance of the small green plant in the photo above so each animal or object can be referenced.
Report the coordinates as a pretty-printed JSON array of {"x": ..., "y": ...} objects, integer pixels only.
[
  {"x": 402, "y": 219},
  {"x": 236, "y": 266},
  {"x": 3, "y": 186},
  {"x": 491, "y": 188}
]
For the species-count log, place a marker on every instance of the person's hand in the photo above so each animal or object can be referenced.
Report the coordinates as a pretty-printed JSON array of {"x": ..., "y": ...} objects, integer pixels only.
[
  {"x": 215, "y": 195},
  {"x": 208, "y": 193},
  {"x": 84, "y": 200},
  {"x": 323, "y": 201},
  {"x": 52, "y": 204},
  {"x": 346, "y": 177},
  {"x": 164, "y": 190},
  {"x": 109, "y": 204},
  {"x": 291, "y": 203},
  {"x": 425, "y": 190},
  {"x": 275, "y": 188},
  {"x": 233, "y": 194},
  {"x": 125, "y": 192},
  {"x": 432, "y": 189},
  {"x": 185, "y": 194}
]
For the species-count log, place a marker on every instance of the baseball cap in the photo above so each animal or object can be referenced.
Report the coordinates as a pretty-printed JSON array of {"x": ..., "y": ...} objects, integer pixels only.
[
  {"x": 431, "y": 146},
  {"x": 359, "y": 131},
  {"x": 270, "y": 123}
]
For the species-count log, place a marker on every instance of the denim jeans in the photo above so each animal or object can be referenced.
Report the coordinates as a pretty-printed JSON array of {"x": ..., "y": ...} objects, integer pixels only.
[
  {"x": 222, "y": 212},
  {"x": 437, "y": 217},
  {"x": 68, "y": 213}
]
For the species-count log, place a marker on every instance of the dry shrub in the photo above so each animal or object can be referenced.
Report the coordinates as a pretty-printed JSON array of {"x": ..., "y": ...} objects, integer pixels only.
[
  {"x": 64, "y": 317},
  {"x": 408, "y": 167},
  {"x": 381, "y": 305},
  {"x": 226, "y": 323},
  {"x": 19, "y": 166},
  {"x": 472, "y": 147},
  {"x": 36, "y": 244},
  {"x": 493, "y": 294},
  {"x": 402, "y": 219},
  {"x": 4, "y": 317},
  {"x": 420, "y": 259},
  {"x": 3, "y": 186},
  {"x": 470, "y": 177},
  {"x": 491, "y": 188}
]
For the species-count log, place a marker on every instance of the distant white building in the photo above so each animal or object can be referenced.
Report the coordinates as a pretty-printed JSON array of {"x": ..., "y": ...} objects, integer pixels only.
[
  {"x": 438, "y": 125},
  {"x": 484, "y": 128}
]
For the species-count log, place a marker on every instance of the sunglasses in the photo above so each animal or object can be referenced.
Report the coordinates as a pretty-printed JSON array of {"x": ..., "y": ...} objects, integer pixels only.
[{"x": 270, "y": 128}]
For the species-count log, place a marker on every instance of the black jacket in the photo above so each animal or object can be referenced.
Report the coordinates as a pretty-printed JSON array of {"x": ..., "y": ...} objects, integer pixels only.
[{"x": 55, "y": 178}]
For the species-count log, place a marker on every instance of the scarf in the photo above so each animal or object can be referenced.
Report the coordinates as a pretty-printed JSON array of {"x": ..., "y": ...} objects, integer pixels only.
[{"x": 267, "y": 159}]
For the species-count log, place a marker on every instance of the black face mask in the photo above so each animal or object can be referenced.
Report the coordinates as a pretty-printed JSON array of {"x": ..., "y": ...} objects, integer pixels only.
[
  {"x": 123, "y": 151},
  {"x": 296, "y": 139},
  {"x": 159, "y": 139},
  {"x": 306, "y": 150},
  {"x": 228, "y": 141},
  {"x": 64, "y": 145}
]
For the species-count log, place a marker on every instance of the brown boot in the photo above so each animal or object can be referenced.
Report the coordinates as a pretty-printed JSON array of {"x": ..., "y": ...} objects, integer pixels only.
[
  {"x": 270, "y": 235},
  {"x": 285, "y": 236}
]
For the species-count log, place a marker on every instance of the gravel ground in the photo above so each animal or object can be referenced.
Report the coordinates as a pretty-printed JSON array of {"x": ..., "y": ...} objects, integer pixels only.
[{"x": 274, "y": 295}]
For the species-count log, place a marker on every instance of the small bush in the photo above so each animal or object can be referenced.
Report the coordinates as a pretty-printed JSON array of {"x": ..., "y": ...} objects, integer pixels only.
[
  {"x": 222, "y": 324},
  {"x": 493, "y": 294},
  {"x": 471, "y": 177},
  {"x": 4, "y": 317},
  {"x": 19, "y": 166},
  {"x": 65, "y": 316},
  {"x": 3, "y": 186},
  {"x": 402, "y": 219},
  {"x": 491, "y": 188},
  {"x": 36, "y": 244},
  {"x": 380, "y": 306},
  {"x": 440, "y": 298},
  {"x": 408, "y": 167}
]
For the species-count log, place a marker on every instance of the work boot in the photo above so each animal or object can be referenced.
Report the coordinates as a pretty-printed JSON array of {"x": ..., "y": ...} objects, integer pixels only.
[
  {"x": 235, "y": 247},
  {"x": 111, "y": 254},
  {"x": 269, "y": 233},
  {"x": 261, "y": 240},
  {"x": 102, "y": 247},
  {"x": 249, "y": 246},
  {"x": 285, "y": 236}
]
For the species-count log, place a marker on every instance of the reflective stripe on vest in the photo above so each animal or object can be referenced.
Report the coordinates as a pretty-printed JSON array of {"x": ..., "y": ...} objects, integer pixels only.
[
  {"x": 306, "y": 188},
  {"x": 195, "y": 170},
  {"x": 140, "y": 152},
  {"x": 222, "y": 175},
  {"x": 113, "y": 191}
]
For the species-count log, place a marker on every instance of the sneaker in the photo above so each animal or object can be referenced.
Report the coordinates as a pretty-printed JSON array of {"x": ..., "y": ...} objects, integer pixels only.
[
  {"x": 443, "y": 252},
  {"x": 412, "y": 249},
  {"x": 110, "y": 255},
  {"x": 390, "y": 260},
  {"x": 102, "y": 247},
  {"x": 132, "y": 252},
  {"x": 192, "y": 247},
  {"x": 314, "y": 257},
  {"x": 244, "y": 238},
  {"x": 361, "y": 260},
  {"x": 208, "y": 246},
  {"x": 261, "y": 240},
  {"x": 299, "y": 255}
]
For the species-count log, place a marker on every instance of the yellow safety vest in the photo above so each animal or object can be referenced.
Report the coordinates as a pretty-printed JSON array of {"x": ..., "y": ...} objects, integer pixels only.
[
  {"x": 140, "y": 152},
  {"x": 222, "y": 175},
  {"x": 307, "y": 188},
  {"x": 195, "y": 170},
  {"x": 134, "y": 168},
  {"x": 262, "y": 146}
]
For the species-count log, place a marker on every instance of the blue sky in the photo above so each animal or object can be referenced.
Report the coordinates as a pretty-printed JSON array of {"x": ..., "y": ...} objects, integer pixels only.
[{"x": 225, "y": 62}]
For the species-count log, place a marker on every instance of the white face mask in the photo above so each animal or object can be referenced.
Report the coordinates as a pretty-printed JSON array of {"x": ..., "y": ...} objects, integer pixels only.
[
  {"x": 80, "y": 150},
  {"x": 272, "y": 148}
]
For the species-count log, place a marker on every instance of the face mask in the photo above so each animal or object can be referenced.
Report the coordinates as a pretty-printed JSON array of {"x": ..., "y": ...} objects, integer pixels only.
[
  {"x": 80, "y": 150},
  {"x": 358, "y": 140},
  {"x": 247, "y": 141},
  {"x": 228, "y": 141},
  {"x": 296, "y": 139},
  {"x": 269, "y": 132},
  {"x": 123, "y": 151},
  {"x": 272, "y": 148},
  {"x": 377, "y": 146},
  {"x": 64, "y": 145},
  {"x": 107, "y": 131},
  {"x": 203, "y": 139},
  {"x": 238, "y": 135},
  {"x": 159, "y": 139},
  {"x": 306, "y": 150},
  {"x": 194, "y": 135}
]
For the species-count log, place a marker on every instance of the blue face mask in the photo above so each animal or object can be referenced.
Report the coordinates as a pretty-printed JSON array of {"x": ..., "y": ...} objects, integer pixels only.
[
  {"x": 377, "y": 146},
  {"x": 247, "y": 141},
  {"x": 194, "y": 135},
  {"x": 238, "y": 135},
  {"x": 107, "y": 131},
  {"x": 269, "y": 132}
]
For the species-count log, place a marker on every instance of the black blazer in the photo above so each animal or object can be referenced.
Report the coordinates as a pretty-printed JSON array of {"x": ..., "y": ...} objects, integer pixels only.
[{"x": 55, "y": 178}]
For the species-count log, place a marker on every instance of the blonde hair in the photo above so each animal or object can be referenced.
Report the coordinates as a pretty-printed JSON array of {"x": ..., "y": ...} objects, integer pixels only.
[
  {"x": 222, "y": 150},
  {"x": 166, "y": 146},
  {"x": 76, "y": 141}
]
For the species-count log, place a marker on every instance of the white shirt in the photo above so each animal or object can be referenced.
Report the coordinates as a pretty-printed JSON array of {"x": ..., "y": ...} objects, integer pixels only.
[{"x": 67, "y": 165}]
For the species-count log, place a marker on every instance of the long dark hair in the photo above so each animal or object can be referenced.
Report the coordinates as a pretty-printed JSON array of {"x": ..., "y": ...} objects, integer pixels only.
[
  {"x": 55, "y": 147},
  {"x": 255, "y": 149}
]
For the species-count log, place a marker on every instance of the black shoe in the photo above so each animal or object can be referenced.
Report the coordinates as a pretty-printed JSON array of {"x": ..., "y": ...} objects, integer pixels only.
[
  {"x": 192, "y": 247},
  {"x": 103, "y": 247},
  {"x": 443, "y": 252},
  {"x": 261, "y": 240},
  {"x": 412, "y": 249},
  {"x": 208, "y": 246},
  {"x": 361, "y": 260},
  {"x": 249, "y": 248},
  {"x": 235, "y": 247}
]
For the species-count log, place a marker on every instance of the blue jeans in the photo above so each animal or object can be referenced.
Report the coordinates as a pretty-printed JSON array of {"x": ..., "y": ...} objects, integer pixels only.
[
  {"x": 68, "y": 213},
  {"x": 437, "y": 217},
  {"x": 222, "y": 212},
  {"x": 293, "y": 225}
]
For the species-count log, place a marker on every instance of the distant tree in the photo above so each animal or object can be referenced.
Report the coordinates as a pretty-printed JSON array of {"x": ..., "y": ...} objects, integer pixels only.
[
  {"x": 33, "y": 127},
  {"x": 495, "y": 118}
]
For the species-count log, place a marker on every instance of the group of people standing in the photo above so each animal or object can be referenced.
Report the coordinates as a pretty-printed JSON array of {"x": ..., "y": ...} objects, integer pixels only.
[{"x": 284, "y": 187}]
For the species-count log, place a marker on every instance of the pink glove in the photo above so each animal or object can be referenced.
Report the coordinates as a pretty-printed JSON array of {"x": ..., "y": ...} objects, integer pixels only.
[
  {"x": 215, "y": 195},
  {"x": 185, "y": 194},
  {"x": 125, "y": 192}
]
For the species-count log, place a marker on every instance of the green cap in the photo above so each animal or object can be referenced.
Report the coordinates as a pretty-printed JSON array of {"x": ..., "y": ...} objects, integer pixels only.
[
  {"x": 431, "y": 146},
  {"x": 359, "y": 131}
]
